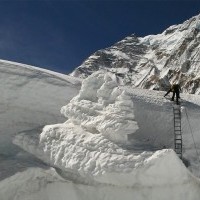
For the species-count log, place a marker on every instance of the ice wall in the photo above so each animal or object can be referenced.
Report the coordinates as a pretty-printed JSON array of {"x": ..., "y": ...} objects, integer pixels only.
[{"x": 101, "y": 107}]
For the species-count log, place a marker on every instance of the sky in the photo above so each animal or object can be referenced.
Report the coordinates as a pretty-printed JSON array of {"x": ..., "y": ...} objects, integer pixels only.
[{"x": 60, "y": 34}]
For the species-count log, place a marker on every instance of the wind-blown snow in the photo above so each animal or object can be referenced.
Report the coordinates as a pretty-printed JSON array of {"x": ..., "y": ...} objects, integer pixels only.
[{"x": 106, "y": 135}]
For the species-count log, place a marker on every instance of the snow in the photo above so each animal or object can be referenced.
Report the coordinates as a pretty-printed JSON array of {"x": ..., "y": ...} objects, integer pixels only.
[
  {"x": 118, "y": 137},
  {"x": 35, "y": 184},
  {"x": 31, "y": 97},
  {"x": 103, "y": 108},
  {"x": 120, "y": 54}
]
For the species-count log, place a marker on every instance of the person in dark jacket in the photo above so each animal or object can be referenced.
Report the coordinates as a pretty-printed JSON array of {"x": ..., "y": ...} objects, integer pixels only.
[{"x": 175, "y": 88}]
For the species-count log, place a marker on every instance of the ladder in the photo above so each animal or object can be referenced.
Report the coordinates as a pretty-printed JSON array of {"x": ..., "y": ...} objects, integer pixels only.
[{"x": 177, "y": 130}]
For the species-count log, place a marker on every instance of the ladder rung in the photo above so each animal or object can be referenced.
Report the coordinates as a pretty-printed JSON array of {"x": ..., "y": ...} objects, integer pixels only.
[
  {"x": 178, "y": 144},
  {"x": 178, "y": 137}
]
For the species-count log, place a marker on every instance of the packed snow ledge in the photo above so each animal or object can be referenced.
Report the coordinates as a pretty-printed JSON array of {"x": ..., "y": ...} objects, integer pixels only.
[{"x": 114, "y": 135}]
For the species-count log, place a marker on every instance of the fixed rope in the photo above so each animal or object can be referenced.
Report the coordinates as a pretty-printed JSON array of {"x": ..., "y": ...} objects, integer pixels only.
[{"x": 192, "y": 134}]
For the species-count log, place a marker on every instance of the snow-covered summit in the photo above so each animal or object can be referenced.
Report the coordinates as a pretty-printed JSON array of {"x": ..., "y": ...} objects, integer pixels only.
[{"x": 155, "y": 61}]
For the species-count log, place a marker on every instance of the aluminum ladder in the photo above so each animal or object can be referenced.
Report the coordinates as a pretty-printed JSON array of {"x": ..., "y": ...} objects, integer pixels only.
[{"x": 177, "y": 130}]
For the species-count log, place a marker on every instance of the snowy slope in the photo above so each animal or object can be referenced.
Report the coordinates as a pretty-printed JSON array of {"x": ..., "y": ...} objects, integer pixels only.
[
  {"x": 38, "y": 184},
  {"x": 30, "y": 98},
  {"x": 154, "y": 61},
  {"x": 115, "y": 136},
  {"x": 47, "y": 185}
]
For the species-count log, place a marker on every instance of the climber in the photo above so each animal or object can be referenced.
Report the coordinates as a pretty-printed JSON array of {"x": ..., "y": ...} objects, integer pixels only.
[{"x": 175, "y": 88}]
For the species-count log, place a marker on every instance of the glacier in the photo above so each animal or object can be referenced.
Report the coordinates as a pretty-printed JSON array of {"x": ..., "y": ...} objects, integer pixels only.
[{"x": 116, "y": 138}]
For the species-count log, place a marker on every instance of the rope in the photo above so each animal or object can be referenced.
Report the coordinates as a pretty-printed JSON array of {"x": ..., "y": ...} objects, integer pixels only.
[{"x": 192, "y": 134}]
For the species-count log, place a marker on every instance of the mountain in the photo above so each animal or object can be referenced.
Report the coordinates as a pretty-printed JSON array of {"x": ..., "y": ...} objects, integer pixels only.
[
  {"x": 114, "y": 141},
  {"x": 154, "y": 61},
  {"x": 31, "y": 97}
]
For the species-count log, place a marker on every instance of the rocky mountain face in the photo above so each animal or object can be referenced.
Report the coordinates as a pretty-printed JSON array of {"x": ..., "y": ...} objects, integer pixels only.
[{"x": 153, "y": 62}]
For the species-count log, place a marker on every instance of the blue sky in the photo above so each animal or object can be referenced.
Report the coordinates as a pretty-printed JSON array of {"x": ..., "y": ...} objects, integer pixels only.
[{"x": 60, "y": 34}]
